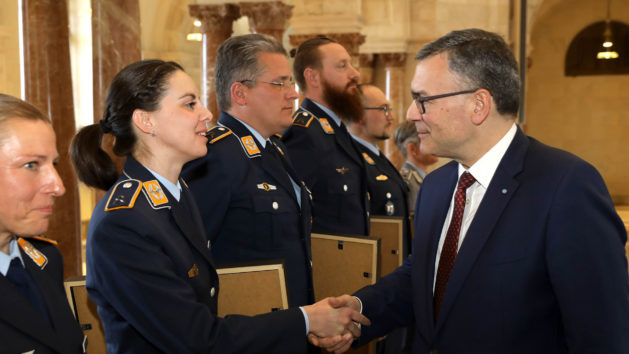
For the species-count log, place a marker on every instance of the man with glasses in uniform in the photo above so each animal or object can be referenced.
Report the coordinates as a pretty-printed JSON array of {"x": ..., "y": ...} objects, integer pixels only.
[{"x": 254, "y": 205}]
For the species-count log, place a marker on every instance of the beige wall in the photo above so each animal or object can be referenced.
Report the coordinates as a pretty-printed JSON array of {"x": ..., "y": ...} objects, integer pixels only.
[
  {"x": 9, "y": 49},
  {"x": 586, "y": 115}
]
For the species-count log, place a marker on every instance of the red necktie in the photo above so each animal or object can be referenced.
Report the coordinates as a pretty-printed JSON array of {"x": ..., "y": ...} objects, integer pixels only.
[{"x": 451, "y": 244}]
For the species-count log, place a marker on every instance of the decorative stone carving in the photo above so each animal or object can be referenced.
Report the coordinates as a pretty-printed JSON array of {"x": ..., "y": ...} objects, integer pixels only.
[
  {"x": 267, "y": 17},
  {"x": 216, "y": 27},
  {"x": 351, "y": 42},
  {"x": 46, "y": 70}
]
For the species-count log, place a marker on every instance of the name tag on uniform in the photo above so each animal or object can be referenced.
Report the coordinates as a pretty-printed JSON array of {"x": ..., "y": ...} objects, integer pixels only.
[{"x": 267, "y": 187}]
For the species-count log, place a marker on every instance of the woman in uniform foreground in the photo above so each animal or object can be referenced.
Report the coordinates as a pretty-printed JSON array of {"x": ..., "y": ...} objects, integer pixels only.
[
  {"x": 149, "y": 267},
  {"x": 34, "y": 311}
]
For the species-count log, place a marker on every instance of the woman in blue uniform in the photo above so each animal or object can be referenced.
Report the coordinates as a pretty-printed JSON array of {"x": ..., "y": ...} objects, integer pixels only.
[
  {"x": 149, "y": 267},
  {"x": 34, "y": 311}
]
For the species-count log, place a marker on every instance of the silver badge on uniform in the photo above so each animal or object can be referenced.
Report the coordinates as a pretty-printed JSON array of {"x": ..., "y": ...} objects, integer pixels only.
[{"x": 390, "y": 208}]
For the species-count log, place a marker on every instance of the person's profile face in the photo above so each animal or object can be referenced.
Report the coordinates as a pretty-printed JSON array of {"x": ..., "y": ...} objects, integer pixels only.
[
  {"x": 29, "y": 181},
  {"x": 337, "y": 69},
  {"x": 378, "y": 123},
  {"x": 271, "y": 99},
  {"x": 181, "y": 121}
]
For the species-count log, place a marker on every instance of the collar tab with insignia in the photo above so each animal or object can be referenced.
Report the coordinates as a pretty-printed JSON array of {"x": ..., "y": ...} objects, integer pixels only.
[
  {"x": 266, "y": 186},
  {"x": 250, "y": 146},
  {"x": 155, "y": 194},
  {"x": 327, "y": 128},
  {"x": 368, "y": 159},
  {"x": 217, "y": 133},
  {"x": 123, "y": 195},
  {"x": 34, "y": 254},
  {"x": 303, "y": 118}
]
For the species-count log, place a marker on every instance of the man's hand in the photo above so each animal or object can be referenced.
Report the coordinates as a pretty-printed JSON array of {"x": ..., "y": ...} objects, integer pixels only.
[{"x": 334, "y": 323}]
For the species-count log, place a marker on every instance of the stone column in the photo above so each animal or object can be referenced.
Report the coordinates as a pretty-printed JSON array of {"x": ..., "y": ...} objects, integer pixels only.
[
  {"x": 216, "y": 27},
  {"x": 115, "y": 44},
  {"x": 394, "y": 90},
  {"x": 351, "y": 42},
  {"x": 267, "y": 17},
  {"x": 366, "y": 68},
  {"x": 48, "y": 85}
]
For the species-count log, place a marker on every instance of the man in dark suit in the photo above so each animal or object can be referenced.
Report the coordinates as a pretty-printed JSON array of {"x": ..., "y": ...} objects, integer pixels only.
[
  {"x": 525, "y": 254},
  {"x": 254, "y": 206},
  {"x": 318, "y": 142}
]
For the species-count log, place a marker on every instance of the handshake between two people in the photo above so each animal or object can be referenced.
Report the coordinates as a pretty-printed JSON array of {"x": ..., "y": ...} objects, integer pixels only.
[{"x": 335, "y": 323}]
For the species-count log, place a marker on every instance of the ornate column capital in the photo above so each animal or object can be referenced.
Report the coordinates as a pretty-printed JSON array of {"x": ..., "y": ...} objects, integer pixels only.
[
  {"x": 215, "y": 17},
  {"x": 267, "y": 17},
  {"x": 393, "y": 59},
  {"x": 351, "y": 41}
]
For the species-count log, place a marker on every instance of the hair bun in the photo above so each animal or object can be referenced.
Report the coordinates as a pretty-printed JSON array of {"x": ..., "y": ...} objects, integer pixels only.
[{"x": 105, "y": 126}]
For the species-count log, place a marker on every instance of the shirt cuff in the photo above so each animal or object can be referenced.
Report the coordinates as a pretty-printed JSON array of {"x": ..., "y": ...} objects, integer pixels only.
[
  {"x": 308, "y": 321},
  {"x": 361, "y": 304}
]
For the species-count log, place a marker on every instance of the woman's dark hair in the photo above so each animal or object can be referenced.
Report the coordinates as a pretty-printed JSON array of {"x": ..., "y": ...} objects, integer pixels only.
[{"x": 140, "y": 85}]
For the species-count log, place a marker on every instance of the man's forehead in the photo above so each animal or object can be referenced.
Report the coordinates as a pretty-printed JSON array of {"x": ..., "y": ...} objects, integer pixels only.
[{"x": 333, "y": 51}]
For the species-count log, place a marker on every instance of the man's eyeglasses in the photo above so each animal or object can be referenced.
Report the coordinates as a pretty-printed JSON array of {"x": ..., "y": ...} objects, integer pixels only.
[
  {"x": 386, "y": 109},
  {"x": 284, "y": 84},
  {"x": 419, "y": 100}
]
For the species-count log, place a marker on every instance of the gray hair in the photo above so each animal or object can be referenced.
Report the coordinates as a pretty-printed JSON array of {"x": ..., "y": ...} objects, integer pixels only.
[
  {"x": 481, "y": 59},
  {"x": 404, "y": 134},
  {"x": 237, "y": 60}
]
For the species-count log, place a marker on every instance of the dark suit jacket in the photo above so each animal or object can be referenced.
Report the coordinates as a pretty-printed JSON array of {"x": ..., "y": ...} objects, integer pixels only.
[
  {"x": 151, "y": 274},
  {"x": 244, "y": 220},
  {"x": 22, "y": 328},
  {"x": 542, "y": 268},
  {"x": 388, "y": 190},
  {"x": 328, "y": 160}
]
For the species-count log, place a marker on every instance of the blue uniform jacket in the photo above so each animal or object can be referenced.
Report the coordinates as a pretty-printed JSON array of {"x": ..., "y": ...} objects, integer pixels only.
[
  {"x": 542, "y": 268},
  {"x": 249, "y": 207},
  {"x": 22, "y": 328},
  {"x": 387, "y": 188},
  {"x": 151, "y": 274},
  {"x": 327, "y": 158}
]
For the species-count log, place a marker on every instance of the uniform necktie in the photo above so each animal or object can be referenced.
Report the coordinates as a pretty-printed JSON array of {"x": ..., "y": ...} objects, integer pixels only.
[
  {"x": 451, "y": 244},
  {"x": 26, "y": 285}
]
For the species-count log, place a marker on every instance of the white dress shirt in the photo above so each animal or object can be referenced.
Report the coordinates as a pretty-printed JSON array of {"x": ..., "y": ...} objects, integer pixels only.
[{"x": 483, "y": 171}]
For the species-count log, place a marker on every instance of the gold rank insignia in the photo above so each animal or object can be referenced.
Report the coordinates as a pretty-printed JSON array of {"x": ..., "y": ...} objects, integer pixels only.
[
  {"x": 381, "y": 178},
  {"x": 267, "y": 187},
  {"x": 368, "y": 159},
  {"x": 33, "y": 253},
  {"x": 155, "y": 192},
  {"x": 194, "y": 271},
  {"x": 250, "y": 145},
  {"x": 326, "y": 126},
  {"x": 343, "y": 170}
]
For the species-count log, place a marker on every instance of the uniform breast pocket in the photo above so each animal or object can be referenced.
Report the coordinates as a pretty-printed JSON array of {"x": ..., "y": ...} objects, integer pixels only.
[{"x": 276, "y": 215}]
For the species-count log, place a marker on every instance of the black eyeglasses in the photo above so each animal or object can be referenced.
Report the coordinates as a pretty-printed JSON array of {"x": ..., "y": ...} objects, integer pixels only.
[
  {"x": 281, "y": 84},
  {"x": 386, "y": 109},
  {"x": 419, "y": 100}
]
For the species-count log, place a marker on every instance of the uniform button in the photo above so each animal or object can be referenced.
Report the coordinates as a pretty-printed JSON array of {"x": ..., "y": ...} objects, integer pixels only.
[
  {"x": 388, "y": 195},
  {"x": 209, "y": 244},
  {"x": 310, "y": 263},
  {"x": 212, "y": 292},
  {"x": 345, "y": 187},
  {"x": 275, "y": 205},
  {"x": 367, "y": 214}
]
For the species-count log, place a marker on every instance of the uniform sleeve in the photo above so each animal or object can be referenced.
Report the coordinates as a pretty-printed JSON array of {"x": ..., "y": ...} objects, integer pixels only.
[
  {"x": 138, "y": 280},
  {"x": 587, "y": 264}
]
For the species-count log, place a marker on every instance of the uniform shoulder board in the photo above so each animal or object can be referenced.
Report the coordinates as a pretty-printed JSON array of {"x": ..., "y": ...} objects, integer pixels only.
[
  {"x": 33, "y": 253},
  {"x": 217, "y": 133},
  {"x": 303, "y": 118},
  {"x": 44, "y": 239},
  {"x": 124, "y": 194}
]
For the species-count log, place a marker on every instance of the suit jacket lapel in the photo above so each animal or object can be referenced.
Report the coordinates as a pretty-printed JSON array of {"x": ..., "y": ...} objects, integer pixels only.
[{"x": 489, "y": 211}]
